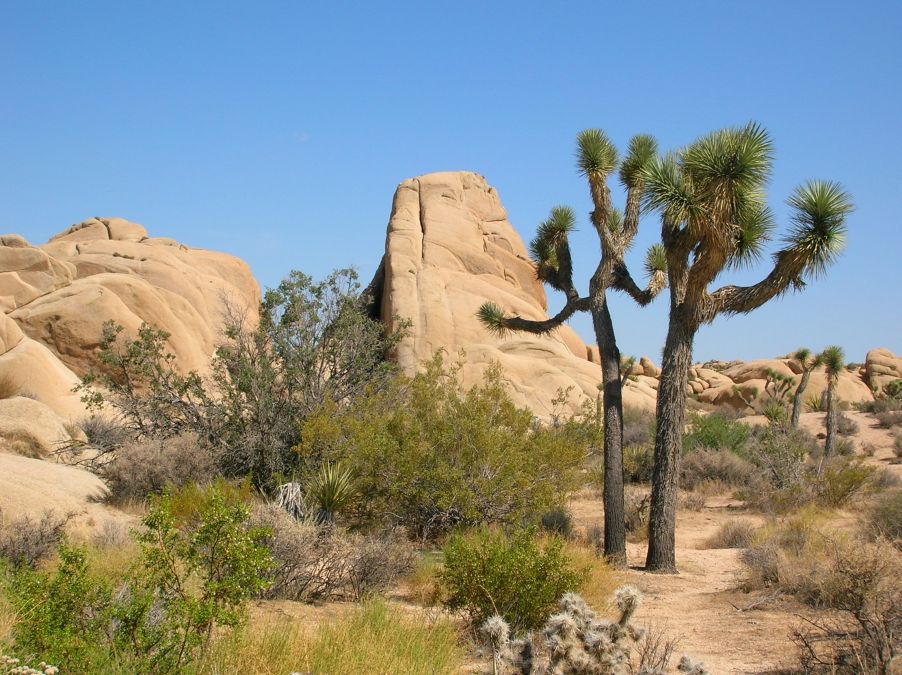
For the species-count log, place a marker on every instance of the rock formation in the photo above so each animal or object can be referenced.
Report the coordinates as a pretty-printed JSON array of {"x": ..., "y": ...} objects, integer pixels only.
[
  {"x": 450, "y": 248},
  {"x": 56, "y": 297}
]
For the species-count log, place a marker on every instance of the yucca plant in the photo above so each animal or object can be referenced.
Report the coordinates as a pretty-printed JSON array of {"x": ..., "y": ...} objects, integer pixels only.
[
  {"x": 714, "y": 216},
  {"x": 808, "y": 362},
  {"x": 596, "y": 160},
  {"x": 833, "y": 360},
  {"x": 331, "y": 489}
]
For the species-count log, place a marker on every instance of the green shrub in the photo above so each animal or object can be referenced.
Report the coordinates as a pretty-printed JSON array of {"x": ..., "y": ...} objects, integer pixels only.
[
  {"x": 488, "y": 572},
  {"x": 558, "y": 521},
  {"x": 715, "y": 432},
  {"x": 841, "y": 479},
  {"x": 195, "y": 572},
  {"x": 638, "y": 463},
  {"x": 430, "y": 458}
]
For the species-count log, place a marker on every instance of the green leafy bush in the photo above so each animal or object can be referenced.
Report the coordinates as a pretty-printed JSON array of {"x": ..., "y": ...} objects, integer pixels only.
[
  {"x": 431, "y": 458},
  {"x": 715, "y": 431},
  {"x": 196, "y": 570},
  {"x": 487, "y": 573}
]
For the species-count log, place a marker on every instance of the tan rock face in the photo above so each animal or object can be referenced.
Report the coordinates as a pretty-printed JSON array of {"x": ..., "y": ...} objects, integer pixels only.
[
  {"x": 56, "y": 298},
  {"x": 881, "y": 367},
  {"x": 450, "y": 248}
]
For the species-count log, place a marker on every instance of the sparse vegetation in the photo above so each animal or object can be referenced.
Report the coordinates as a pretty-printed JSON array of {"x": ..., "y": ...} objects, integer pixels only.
[
  {"x": 21, "y": 442},
  {"x": 734, "y": 533},
  {"x": 26, "y": 541}
]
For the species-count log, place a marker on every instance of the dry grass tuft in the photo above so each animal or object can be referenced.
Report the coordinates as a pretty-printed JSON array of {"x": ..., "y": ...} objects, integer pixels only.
[
  {"x": 732, "y": 534},
  {"x": 9, "y": 386},
  {"x": 23, "y": 443}
]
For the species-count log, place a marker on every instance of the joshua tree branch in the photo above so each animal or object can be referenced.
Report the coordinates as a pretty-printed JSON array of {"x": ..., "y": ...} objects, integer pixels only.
[
  {"x": 743, "y": 299},
  {"x": 623, "y": 281},
  {"x": 517, "y": 323}
]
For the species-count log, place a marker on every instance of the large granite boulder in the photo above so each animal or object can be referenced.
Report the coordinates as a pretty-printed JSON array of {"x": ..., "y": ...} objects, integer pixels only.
[
  {"x": 56, "y": 297},
  {"x": 450, "y": 248}
]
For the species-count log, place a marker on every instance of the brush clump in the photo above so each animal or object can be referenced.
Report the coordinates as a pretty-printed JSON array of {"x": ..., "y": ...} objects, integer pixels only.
[{"x": 576, "y": 641}]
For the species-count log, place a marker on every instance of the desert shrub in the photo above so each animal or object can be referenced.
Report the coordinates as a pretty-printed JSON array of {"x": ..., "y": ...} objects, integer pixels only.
[
  {"x": 104, "y": 433},
  {"x": 488, "y": 572},
  {"x": 636, "y": 505},
  {"x": 777, "y": 548},
  {"x": 312, "y": 343},
  {"x": 861, "y": 584},
  {"x": 889, "y": 418},
  {"x": 24, "y": 443},
  {"x": 841, "y": 479},
  {"x": 146, "y": 467},
  {"x": 884, "y": 519},
  {"x": 638, "y": 463},
  {"x": 325, "y": 562},
  {"x": 879, "y": 405},
  {"x": 431, "y": 458},
  {"x": 783, "y": 460},
  {"x": 845, "y": 425},
  {"x": 422, "y": 584},
  {"x": 715, "y": 465},
  {"x": 9, "y": 386},
  {"x": 194, "y": 573},
  {"x": 557, "y": 521},
  {"x": 893, "y": 390},
  {"x": 638, "y": 427},
  {"x": 732, "y": 534},
  {"x": 815, "y": 403},
  {"x": 692, "y": 501},
  {"x": 25, "y": 541},
  {"x": 716, "y": 432},
  {"x": 576, "y": 640}
]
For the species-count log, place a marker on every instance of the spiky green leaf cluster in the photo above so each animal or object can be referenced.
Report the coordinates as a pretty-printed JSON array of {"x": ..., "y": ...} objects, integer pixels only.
[
  {"x": 755, "y": 224},
  {"x": 640, "y": 152},
  {"x": 596, "y": 155},
  {"x": 655, "y": 259},
  {"x": 833, "y": 360},
  {"x": 550, "y": 250},
  {"x": 819, "y": 228},
  {"x": 491, "y": 316}
]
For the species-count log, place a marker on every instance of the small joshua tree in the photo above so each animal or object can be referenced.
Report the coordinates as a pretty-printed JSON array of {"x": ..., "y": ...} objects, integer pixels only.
[
  {"x": 832, "y": 358},
  {"x": 550, "y": 250},
  {"x": 808, "y": 363},
  {"x": 576, "y": 641}
]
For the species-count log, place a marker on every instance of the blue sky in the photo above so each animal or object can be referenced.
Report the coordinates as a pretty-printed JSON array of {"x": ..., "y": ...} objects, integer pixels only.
[{"x": 277, "y": 131}]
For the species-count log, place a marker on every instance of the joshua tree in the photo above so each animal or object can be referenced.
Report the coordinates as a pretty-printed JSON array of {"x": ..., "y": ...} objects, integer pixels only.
[
  {"x": 832, "y": 358},
  {"x": 550, "y": 250},
  {"x": 714, "y": 217},
  {"x": 808, "y": 363}
]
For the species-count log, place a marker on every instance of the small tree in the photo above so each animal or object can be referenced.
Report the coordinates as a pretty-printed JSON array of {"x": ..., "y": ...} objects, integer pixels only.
[
  {"x": 832, "y": 358},
  {"x": 807, "y": 363},
  {"x": 714, "y": 217},
  {"x": 550, "y": 250}
]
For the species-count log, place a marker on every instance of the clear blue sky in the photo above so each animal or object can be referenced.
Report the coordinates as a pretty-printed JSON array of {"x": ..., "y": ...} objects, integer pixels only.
[{"x": 277, "y": 131}]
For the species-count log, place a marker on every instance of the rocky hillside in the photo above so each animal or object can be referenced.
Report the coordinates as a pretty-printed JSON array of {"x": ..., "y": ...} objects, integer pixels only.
[{"x": 55, "y": 297}]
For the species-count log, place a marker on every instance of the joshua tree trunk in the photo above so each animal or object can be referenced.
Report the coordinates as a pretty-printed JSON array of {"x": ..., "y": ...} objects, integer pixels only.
[
  {"x": 797, "y": 399},
  {"x": 614, "y": 528},
  {"x": 671, "y": 407},
  {"x": 830, "y": 443}
]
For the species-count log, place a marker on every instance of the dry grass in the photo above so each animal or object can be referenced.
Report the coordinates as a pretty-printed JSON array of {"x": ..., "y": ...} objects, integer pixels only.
[
  {"x": 373, "y": 638},
  {"x": 601, "y": 581},
  {"x": 23, "y": 443},
  {"x": 732, "y": 534},
  {"x": 9, "y": 386}
]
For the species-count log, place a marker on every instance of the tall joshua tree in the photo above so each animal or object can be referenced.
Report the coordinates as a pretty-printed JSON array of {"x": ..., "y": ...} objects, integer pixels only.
[
  {"x": 808, "y": 363},
  {"x": 713, "y": 217},
  {"x": 833, "y": 360},
  {"x": 550, "y": 250}
]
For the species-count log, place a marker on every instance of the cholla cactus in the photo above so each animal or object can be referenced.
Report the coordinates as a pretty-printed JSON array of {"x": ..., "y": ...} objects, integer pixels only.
[
  {"x": 576, "y": 642},
  {"x": 12, "y": 666}
]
